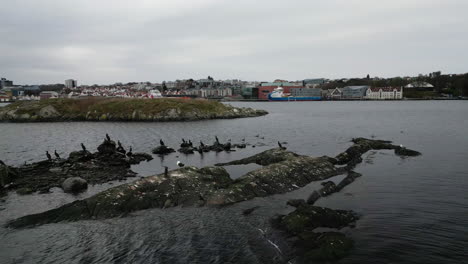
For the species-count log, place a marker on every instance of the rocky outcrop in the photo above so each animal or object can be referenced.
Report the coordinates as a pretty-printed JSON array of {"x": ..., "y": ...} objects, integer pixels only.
[
  {"x": 105, "y": 165},
  {"x": 282, "y": 171},
  {"x": 162, "y": 150},
  {"x": 74, "y": 185}
]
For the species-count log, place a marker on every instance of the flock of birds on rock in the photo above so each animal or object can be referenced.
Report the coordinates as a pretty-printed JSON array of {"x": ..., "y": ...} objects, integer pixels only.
[{"x": 186, "y": 147}]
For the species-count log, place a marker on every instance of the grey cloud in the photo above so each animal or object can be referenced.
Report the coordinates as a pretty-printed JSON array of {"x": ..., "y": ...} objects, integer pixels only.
[{"x": 107, "y": 41}]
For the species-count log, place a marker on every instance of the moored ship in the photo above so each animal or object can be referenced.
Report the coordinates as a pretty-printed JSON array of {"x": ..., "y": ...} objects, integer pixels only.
[{"x": 279, "y": 95}]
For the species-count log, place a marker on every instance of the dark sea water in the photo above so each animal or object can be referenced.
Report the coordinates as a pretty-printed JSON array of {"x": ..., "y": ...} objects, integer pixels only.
[{"x": 413, "y": 210}]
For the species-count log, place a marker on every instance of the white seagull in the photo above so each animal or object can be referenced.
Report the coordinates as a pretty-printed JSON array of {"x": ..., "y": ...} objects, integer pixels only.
[{"x": 180, "y": 164}]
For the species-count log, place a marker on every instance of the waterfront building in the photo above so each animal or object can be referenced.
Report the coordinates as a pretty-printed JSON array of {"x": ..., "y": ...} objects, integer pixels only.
[
  {"x": 70, "y": 83},
  {"x": 354, "y": 92},
  {"x": 384, "y": 93},
  {"x": 306, "y": 92}
]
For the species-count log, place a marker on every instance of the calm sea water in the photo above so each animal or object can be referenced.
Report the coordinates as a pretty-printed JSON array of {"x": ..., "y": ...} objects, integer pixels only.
[{"x": 413, "y": 210}]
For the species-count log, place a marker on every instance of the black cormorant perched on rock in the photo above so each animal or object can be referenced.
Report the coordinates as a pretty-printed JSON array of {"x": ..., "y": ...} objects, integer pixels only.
[
  {"x": 129, "y": 153},
  {"x": 201, "y": 144},
  {"x": 107, "y": 137},
  {"x": 166, "y": 172},
  {"x": 56, "y": 154},
  {"x": 83, "y": 147},
  {"x": 217, "y": 140},
  {"x": 49, "y": 157},
  {"x": 190, "y": 143},
  {"x": 281, "y": 146},
  {"x": 161, "y": 142},
  {"x": 180, "y": 164}
]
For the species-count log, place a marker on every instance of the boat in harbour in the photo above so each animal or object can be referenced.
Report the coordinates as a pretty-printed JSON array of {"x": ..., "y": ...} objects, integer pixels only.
[{"x": 279, "y": 95}]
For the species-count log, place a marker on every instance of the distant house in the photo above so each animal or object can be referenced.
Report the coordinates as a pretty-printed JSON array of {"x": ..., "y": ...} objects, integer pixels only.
[
  {"x": 384, "y": 93},
  {"x": 336, "y": 93},
  {"x": 354, "y": 92},
  {"x": 48, "y": 95}
]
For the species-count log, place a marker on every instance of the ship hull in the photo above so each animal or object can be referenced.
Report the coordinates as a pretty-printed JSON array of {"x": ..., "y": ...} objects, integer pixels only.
[{"x": 291, "y": 98}]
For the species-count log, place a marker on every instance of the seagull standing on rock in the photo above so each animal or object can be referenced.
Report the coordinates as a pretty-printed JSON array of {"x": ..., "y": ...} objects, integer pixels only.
[{"x": 180, "y": 164}]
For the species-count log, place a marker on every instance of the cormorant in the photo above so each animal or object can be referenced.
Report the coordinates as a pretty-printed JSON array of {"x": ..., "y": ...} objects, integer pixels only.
[
  {"x": 107, "y": 137},
  {"x": 49, "y": 157},
  {"x": 217, "y": 140},
  {"x": 281, "y": 146},
  {"x": 201, "y": 144},
  {"x": 180, "y": 164},
  {"x": 183, "y": 140},
  {"x": 83, "y": 147},
  {"x": 190, "y": 143},
  {"x": 161, "y": 142},
  {"x": 166, "y": 172},
  {"x": 56, "y": 154},
  {"x": 129, "y": 153}
]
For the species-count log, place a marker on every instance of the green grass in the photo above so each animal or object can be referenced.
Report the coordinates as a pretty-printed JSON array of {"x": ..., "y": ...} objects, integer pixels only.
[{"x": 119, "y": 106}]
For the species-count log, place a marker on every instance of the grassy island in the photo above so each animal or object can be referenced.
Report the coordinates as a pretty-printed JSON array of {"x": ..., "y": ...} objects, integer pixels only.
[{"x": 120, "y": 109}]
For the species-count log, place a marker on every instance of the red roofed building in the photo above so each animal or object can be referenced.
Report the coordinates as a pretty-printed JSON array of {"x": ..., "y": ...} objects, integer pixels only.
[{"x": 384, "y": 93}]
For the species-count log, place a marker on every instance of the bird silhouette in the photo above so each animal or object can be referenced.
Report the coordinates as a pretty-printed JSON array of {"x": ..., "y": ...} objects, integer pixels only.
[
  {"x": 166, "y": 171},
  {"x": 107, "y": 137},
  {"x": 180, "y": 164},
  {"x": 83, "y": 147},
  {"x": 56, "y": 154},
  {"x": 281, "y": 146},
  {"x": 49, "y": 157},
  {"x": 161, "y": 142},
  {"x": 129, "y": 153}
]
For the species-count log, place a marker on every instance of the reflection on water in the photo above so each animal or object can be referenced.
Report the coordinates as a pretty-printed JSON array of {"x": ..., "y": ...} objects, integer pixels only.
[{"x": 412, "y": 210}]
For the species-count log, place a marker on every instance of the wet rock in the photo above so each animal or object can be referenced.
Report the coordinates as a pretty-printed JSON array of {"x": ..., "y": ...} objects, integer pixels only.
[
  {"x": 138, "y": 157},
  {"x": 327, "y": 246},
  {"x": 329, "y": 187},
  {"x": 24, "y": 191},
  {"x": 80, "y": 156},
  {"x": 108, "y": 147},
  {"x": 74, "y": 185},
  {"x": 186, "y": 150},
  {"x": 250, "y": 210},
  {"x": 265, "y": 158},
  {"x": 402, "y": 151},
  {"x": 7, "y": 175},
  {"x": 309, "y": 217},
  {"x": 313, "y": 197},
  {"x": 296, "y": 202},
  {"x": 163, "y": 150}
]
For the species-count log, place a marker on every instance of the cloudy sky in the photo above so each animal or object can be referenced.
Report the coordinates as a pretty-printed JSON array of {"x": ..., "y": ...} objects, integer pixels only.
[{"x": 108, "y": 41}]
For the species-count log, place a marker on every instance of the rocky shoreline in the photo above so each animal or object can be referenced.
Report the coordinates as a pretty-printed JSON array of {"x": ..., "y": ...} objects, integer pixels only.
[
  {"x": 122, "y": 110},
  {"x": 283, "y": 171}
]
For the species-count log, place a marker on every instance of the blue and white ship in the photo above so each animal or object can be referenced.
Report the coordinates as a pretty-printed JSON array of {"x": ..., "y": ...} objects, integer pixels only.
[{"x": 279, "y": 95}]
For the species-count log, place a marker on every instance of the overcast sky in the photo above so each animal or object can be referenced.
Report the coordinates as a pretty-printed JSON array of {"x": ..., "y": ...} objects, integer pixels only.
[{"x": 108, "y": 41}]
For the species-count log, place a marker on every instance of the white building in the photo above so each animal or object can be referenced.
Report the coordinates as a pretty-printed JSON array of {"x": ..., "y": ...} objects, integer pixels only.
[
  {"x": 384, "y": 93},
  {"x": 70, "y": 83}
]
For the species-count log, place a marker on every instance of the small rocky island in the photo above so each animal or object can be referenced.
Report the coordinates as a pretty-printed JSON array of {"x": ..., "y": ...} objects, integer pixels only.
[
  {"x": 283, "y": 171},
  {"x": 119, "y": 109}
]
